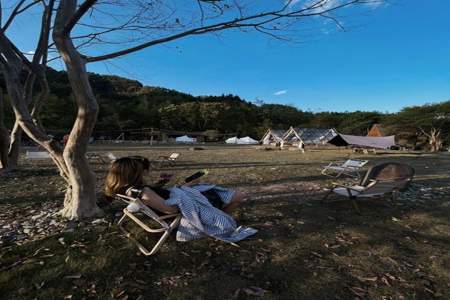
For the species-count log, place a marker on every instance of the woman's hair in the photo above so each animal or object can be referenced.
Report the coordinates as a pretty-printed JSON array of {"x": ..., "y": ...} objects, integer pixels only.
[{"x": 125, "y": 172}]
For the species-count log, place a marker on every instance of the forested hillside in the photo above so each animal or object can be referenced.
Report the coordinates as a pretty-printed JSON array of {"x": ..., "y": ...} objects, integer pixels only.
[{"x": 127, "y": 104}]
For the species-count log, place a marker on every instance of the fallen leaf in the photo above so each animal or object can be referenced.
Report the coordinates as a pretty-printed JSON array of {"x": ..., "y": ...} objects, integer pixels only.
[{"x": 76, "y": 276}]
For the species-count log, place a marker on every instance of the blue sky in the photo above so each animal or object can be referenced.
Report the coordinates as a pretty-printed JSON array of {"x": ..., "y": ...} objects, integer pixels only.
[{"x": 397, "y": 55}]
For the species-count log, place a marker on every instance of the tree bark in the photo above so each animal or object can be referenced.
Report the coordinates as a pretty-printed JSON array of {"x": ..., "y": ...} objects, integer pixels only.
[
  {"x": 14, "y": 146},
  {"x": 4, "y": 138},
  {"x": 80, "y": 198}
]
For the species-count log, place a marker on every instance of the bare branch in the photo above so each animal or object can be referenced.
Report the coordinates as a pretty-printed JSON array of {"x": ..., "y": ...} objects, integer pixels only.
[
  {"x": 317, "y": 8},
  {"x": 78, "y": 15}
]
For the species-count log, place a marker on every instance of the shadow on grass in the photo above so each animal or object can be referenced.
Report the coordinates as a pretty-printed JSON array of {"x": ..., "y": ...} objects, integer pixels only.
[{"x": 31, "y": 200}]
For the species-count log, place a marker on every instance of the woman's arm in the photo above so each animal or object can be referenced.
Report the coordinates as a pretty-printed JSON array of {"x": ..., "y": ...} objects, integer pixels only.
[{"x": 153, "y": 200}]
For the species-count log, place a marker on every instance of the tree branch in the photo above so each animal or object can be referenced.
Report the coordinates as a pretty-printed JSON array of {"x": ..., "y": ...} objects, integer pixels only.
[{"x": 77, "y": 16}]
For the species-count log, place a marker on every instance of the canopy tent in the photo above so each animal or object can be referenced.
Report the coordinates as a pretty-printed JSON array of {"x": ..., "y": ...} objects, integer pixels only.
[
  {"x": 273, "y": 136},
  {"x": 309, "y": 135},
  {"x": 247, "y": 141},
  {"x": 232, "y": 140},
  {"x": 185, "y": 139},
  {"x": 384, "y": 142}
]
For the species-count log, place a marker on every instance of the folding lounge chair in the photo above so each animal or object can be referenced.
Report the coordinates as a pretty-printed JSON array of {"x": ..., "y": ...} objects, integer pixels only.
[
  {"x": 351, "y": 168},
  {"x": 37, "y": 155},
  {"x": 171, "y": 159},
  {"x": 131, "y": 211},
  {"x": 100, "y": 158},
  {"x": 381, "y": 180}
]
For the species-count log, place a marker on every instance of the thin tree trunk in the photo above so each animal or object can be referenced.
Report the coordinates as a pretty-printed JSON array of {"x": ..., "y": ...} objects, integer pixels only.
[
  {"x": 81, "y": 200},
  {"x": 14, "y": 146},
  {"x": 4, "y": 138}
]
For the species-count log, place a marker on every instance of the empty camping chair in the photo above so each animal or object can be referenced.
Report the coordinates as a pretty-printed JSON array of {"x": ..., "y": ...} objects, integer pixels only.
[
  {"x": 351, "y": 168},
  {"x": 170, "y": 160},
  {"x": 32, "y": 155},
  {"x": 136, "y": 207},
  {"x": 92, "y": 156},
  {"x": 379, "y": 181}
]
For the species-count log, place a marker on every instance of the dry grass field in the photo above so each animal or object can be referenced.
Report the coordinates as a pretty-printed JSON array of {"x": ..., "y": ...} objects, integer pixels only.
[{"x": 304, "y": 249}]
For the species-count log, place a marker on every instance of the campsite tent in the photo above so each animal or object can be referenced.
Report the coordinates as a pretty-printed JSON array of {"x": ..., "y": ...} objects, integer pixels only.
[
  {"x": 185, "y": 139},
  {"x": 247, "y": 141},
  {"x": 273, "y": 136},
  {"x": 309, "y": 135},
  {"x": 232, "y": 140},
  {"x": 384, "y": 142}
]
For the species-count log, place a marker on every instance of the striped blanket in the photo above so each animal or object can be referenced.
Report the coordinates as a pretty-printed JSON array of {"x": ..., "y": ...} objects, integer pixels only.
[{"x": 200, "y": 218}]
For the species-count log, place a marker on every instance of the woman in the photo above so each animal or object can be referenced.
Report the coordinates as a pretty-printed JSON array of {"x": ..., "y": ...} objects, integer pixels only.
[{"x": 128, "y": 172}]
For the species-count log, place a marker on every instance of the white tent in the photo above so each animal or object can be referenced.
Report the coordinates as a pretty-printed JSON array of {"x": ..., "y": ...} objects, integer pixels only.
[
  {"x": 247, "y": 141},
  {"x": 185, "y": 139},
  {"x": 232, "y": 140}
]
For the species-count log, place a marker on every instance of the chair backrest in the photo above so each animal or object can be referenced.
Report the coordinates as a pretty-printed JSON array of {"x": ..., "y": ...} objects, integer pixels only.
[
  {"x": 355, "y": 163},
  {"x": 385, "y": 186},
  {"x": 174, "y": 156},
  {"x": 390, "y": 171}
]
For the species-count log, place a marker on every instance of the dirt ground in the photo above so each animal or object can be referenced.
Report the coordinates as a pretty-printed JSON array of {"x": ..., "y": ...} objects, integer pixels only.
[{"x": 305, "y": 249}]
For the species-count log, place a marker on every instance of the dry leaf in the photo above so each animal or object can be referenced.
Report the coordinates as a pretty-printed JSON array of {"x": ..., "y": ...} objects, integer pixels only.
[{"x": 76, "y": 276}]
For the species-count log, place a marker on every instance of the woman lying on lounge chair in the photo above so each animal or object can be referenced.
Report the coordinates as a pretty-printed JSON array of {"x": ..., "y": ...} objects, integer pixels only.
[
  {"x": 204, "y": 208},
  {"x": 126, "y": 175}
]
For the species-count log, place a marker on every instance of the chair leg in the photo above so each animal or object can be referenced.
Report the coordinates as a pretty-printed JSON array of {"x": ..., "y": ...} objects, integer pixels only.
[
  {"x": 326, "y": 195},
  {"x": 158, "y": 244},
  {"x": 355, "y": 204},
  {"x": 166, "y": 234}
]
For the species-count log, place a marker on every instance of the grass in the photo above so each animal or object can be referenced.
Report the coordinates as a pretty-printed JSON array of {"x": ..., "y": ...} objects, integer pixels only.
[{"x": 304, "y": 249}]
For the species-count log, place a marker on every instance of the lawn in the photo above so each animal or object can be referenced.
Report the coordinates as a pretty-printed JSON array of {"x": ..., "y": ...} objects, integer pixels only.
[{"x": 304, "y": 249}]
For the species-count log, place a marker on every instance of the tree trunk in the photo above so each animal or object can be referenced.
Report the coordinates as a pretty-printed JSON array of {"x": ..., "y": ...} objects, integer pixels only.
[
  {"x": 81, "y": 197},
  {"x": 14, "y": 146},
  {"x": 4, "y": 139}
]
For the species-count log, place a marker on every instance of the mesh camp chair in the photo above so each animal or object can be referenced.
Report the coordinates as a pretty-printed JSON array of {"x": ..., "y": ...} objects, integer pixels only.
[
  {"x": 37, "y": 155},
  {"x": 165, "y": 223},
  {"x": 379, "y": 181},
  {"x": 93, "y": 156},
  {"x": 351, "y": 168},
  {"x": 167, "y": 159}
]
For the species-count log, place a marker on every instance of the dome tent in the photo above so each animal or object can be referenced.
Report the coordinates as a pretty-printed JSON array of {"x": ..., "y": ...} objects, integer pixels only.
[
  {"x": 185, "y": 139},
  {"x": 247, "y": 141},
  {"x": 232, "y": 140}
]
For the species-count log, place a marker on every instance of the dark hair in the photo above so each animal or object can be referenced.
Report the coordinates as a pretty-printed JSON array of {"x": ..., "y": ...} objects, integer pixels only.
[{"x": 124, "y": 173}]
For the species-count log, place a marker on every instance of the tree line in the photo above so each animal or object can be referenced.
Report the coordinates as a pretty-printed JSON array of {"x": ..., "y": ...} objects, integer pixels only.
[{"x": 128, "y": 104}]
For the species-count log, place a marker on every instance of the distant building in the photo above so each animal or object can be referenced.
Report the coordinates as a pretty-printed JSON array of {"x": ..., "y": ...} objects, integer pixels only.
[{"x": 376, "y": 131}]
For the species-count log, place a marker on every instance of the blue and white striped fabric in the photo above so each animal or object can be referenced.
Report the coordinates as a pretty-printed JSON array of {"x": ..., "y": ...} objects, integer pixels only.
[{"x": 201, "y": 218}]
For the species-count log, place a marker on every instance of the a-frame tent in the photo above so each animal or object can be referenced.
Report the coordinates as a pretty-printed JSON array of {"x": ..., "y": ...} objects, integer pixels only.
[
  {"x": 273, "y": 136},
  {"x": 292, "y": 137},
  {"x": 309, "y": 136}
]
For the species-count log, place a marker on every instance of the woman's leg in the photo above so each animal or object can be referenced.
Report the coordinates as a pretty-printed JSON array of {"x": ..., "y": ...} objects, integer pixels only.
[{"x": 234, "y": 203}]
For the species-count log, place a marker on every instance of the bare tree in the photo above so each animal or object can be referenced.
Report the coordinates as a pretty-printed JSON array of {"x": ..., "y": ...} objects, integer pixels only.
[{"x": 137, "y": 24}]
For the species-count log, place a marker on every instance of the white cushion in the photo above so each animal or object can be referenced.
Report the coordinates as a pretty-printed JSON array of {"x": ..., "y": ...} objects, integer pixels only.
[{"x": 133, "y": 207}]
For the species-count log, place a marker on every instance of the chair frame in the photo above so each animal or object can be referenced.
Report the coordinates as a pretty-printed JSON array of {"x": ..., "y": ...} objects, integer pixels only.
[
  {"x": 162, "y": 159},
  {"x": 165, "y": 227},
  {"x": 339, "y": 170},
  {"x": 365, "y": 193},
  {"x": 98, "y": 157}
]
